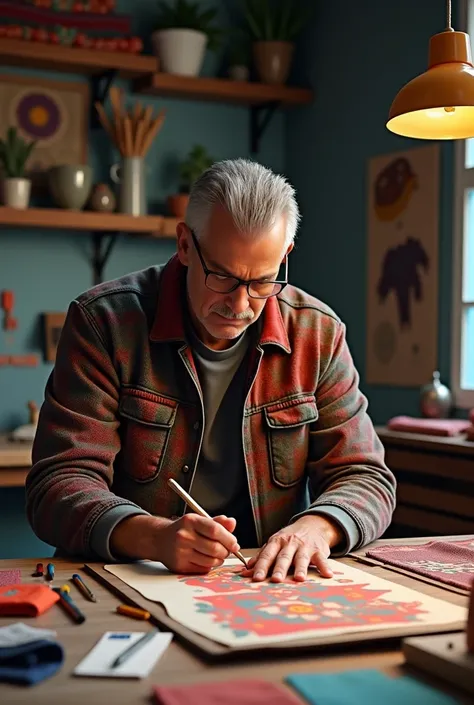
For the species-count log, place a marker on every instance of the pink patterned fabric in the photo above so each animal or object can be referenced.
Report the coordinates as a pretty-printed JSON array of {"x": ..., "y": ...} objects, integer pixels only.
[
  {"x": 433, "y": 427},
  {"x": 450, "y": 562},
  {"x": 10, "y": 577}
]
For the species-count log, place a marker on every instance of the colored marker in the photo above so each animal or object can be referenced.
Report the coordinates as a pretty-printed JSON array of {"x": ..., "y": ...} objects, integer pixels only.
[
  {"x": 134, "y": 612},
  {"x": 39, "y": 570},
  {"x": 70, "y": 606},
  {"x": 50, "y": 571},
  {"x": 65, "y": 588},
  {"x": 79, "y": 583}
]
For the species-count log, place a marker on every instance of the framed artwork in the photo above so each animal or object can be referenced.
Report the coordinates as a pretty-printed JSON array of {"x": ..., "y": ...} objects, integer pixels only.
[
  {"x": 55, "y": 113},
  {"x": 402, "y": 251},
  {"x": 53, "y": 325}
]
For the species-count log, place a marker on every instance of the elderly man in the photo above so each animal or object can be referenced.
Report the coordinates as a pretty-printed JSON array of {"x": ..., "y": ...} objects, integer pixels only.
[{"x": 214, "y": 371}]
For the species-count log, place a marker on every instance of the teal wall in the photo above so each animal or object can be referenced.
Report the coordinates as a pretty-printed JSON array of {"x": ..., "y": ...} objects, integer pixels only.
[
  {"x": 358, "y": 55},
  {"x": 48, "y": 269}
]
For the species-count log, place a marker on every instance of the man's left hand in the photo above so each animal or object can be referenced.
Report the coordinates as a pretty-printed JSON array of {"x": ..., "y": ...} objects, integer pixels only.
[{"x": 307, "y": 541}]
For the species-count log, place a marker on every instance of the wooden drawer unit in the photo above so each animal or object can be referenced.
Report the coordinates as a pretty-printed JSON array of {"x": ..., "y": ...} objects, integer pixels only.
[{"x": 435, "y": 477}]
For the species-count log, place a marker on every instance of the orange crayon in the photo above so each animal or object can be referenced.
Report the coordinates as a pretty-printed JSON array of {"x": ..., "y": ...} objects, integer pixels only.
[{"x": 134, "y": 612}]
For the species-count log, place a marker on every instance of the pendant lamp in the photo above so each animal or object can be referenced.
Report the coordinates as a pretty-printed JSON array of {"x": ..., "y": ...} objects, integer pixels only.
[{"x": 439, "y": 104}]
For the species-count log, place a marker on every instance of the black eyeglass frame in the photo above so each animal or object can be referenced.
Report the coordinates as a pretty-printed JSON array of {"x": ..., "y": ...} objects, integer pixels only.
[{"x": 239, "y": 282}]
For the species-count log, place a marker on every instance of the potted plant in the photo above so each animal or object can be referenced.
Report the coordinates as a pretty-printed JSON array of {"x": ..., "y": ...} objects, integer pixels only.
[
  {"x": 14, "y": 154},
  {"x": 197, "y": 161},
  {"x": 183, "y": 32},
  {"x": 274, "y": 26}
]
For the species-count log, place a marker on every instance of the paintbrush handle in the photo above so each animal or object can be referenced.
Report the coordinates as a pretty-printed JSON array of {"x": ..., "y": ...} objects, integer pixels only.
[{"x": 198, "y": 509}]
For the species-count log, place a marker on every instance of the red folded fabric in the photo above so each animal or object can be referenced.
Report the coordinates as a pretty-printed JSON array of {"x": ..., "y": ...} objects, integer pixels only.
[
  {"x": 236, "y": 692},
  {"x": 26, "y": 600},
  {"x": 450, "y": 562},
  {"x": 434, "y": 427},
  {"x": 471, "y": 416}
]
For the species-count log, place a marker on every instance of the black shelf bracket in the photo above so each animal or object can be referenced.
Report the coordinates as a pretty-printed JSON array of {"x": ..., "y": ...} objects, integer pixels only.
[
  {"x": 100, "y": 85},
  {"x": 260, "y": 116},
  {"x": 102, "y": 246}
]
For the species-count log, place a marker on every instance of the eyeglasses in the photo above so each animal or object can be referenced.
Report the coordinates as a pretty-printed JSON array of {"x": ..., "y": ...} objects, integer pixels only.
[{"x": 225, "y": 284}]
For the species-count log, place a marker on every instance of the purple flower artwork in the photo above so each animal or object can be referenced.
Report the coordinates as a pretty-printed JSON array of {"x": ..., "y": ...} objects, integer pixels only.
[{"x": 38, "y": 115}]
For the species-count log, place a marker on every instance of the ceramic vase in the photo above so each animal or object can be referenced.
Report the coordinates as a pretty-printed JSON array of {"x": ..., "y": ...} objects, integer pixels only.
[
  {"x": 130, "y": 176},
  {"x": 70, "y": 185}
]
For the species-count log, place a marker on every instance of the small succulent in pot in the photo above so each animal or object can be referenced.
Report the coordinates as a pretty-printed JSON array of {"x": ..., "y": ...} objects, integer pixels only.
[
  {"x": 196, "y": 162},
  {"x": 14, "y": 155}
]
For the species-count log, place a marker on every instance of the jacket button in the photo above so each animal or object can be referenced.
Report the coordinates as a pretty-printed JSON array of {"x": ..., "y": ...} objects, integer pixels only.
[
  {"x": 185, "y": 468},
  {"x": 196, "y": 425},
  {"x": 173, "y": 517}
]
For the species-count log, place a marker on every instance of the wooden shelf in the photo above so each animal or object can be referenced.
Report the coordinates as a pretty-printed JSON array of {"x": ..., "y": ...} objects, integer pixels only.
[
  {"x": 150, "y": 225},
  {"x": 13, "y": 478},
  {"x": 18, "y": 52},
  {"x": 221, "y": 90}
]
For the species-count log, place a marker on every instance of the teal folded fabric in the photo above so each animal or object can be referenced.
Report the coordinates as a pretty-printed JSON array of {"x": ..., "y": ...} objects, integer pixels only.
[{"x": 365, "y": 687}]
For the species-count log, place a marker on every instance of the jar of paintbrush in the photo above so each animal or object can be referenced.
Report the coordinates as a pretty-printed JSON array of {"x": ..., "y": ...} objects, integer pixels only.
[{"x": 132, "y": 132}]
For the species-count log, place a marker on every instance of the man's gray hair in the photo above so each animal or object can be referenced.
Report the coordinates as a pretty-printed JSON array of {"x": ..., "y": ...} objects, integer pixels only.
[{"x": 254, "y": 196}]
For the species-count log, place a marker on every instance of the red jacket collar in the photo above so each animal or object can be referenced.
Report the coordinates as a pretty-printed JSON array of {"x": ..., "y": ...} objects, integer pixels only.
[{"x": 168, "y": 324}]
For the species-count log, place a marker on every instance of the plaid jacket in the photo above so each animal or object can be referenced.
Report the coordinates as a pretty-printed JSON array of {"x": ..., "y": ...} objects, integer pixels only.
[{"x": 123, "y": 413}]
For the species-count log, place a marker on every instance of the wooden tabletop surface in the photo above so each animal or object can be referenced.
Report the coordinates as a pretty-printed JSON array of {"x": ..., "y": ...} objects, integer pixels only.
[{"x": 177, "y": 665}]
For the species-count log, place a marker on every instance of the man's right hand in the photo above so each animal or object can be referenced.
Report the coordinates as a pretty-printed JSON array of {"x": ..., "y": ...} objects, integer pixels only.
[{"x": 191, "y": 544}]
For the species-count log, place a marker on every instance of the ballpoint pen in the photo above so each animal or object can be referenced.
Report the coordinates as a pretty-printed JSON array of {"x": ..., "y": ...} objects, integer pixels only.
[
  {"x": 198, "y": 509},
  {"x": 129, "y": 651}
]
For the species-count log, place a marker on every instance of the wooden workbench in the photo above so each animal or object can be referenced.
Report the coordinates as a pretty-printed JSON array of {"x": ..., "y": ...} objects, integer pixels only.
[{"x": 178, "y": 664}]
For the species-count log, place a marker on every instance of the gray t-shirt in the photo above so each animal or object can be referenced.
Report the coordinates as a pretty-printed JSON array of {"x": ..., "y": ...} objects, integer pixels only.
[{"x": 220, "y": 483}]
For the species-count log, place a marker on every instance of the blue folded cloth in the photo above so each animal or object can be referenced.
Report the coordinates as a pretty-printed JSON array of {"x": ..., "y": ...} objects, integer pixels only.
[
  {"x": 30, "y": 663},
  {"x": 366, "y": 687}
]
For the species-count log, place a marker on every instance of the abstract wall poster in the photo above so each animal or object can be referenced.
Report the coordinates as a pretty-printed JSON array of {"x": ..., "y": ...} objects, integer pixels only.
[
  {"x": 233, "y": 610},
  {"x": 402, "y": 272},
  {"x": 55, "y": 113}
]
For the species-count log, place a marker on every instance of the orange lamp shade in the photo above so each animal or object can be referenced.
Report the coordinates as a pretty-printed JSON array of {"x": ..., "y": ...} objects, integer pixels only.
[{"x": 438, "y": 104}]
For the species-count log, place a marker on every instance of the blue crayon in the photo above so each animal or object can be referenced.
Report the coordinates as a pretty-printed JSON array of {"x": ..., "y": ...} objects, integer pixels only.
[{"x": 50, "y": 571}]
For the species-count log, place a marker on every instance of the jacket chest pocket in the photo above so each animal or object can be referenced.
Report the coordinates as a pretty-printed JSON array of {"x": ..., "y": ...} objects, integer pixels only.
[
  {"x": 147, "y": 419},
  {"x": 288, "y": 437}
]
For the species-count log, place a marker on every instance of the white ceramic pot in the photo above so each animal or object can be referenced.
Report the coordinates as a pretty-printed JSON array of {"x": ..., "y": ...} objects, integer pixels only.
[
  {"x": 180, "y": 51},
  {"x": 16, "y": 193}
]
